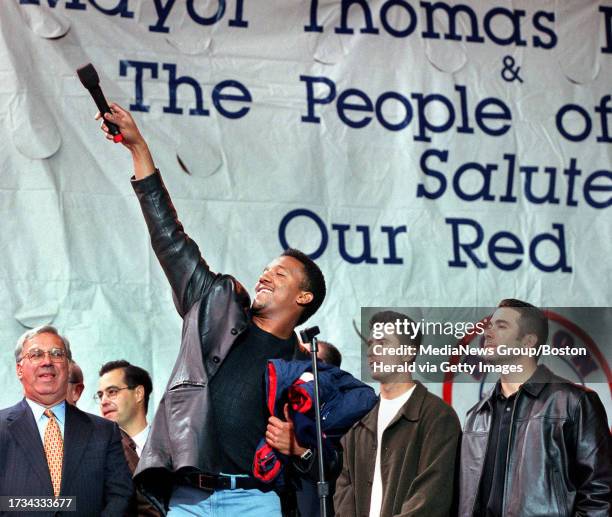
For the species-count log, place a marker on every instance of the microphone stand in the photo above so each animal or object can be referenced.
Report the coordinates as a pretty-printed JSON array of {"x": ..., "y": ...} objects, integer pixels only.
[{"x": 309, "y": 336}]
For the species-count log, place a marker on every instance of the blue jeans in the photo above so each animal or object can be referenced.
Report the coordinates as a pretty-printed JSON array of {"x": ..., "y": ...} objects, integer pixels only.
[{"x": 188, "y": 502}]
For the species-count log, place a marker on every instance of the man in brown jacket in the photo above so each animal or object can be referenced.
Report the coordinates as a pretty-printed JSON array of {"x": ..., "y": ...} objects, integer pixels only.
[{"x": 399, "y": 460}]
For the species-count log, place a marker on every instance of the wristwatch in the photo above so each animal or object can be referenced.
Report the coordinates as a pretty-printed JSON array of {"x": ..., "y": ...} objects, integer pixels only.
[{"x": 306, "y": 455}]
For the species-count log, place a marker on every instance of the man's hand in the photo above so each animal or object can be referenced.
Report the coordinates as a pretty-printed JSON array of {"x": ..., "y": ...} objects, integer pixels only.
[
  {"x": 126, "y": 124},
  {"x": 280, "y": 435},
  {"x": 132, "y": 139}
]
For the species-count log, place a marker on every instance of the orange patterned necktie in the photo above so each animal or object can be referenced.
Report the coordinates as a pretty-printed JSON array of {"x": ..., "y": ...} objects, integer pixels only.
[{"x": 54, "y": 450}]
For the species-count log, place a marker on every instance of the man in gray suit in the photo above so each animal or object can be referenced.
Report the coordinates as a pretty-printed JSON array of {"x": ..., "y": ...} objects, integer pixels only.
[{"x": 50, "y": 448}]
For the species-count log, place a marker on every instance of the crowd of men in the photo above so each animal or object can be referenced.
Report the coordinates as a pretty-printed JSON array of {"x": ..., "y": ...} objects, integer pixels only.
[{"x": 224, "y": 442}]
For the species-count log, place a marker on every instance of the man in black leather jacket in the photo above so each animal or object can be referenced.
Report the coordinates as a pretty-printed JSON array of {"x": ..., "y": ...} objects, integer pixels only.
[
  {"x": 199, "y": 454},
  {"x": 537, "y": 445}
]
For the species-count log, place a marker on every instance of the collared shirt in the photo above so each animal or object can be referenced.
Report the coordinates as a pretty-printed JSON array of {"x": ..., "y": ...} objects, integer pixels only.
[
  {"x": 59, "y": 410},
  {"x": 491, "y": 493},
  {"x": 140, "y": 439}
]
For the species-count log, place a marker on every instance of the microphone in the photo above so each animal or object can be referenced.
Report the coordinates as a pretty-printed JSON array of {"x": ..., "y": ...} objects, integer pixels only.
[
  {"x": 89, "y": 77},
  {"x": 309, "y": 333}
]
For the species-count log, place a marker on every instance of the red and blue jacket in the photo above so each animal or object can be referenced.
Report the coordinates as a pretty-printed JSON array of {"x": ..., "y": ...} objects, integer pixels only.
[{"x": 344, "y": 401}]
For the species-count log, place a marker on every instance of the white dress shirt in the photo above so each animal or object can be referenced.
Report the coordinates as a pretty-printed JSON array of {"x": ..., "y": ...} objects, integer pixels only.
[{"x": 140, "y": 439}]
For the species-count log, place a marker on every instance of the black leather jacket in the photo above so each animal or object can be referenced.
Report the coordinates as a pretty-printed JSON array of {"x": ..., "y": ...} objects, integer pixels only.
[
  {"x": 214, "y": 309},
  {"x": 559, "y": 452}
]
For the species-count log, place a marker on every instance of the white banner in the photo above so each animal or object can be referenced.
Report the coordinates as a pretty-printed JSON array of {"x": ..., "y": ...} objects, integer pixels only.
[{"x": 425, "y": 153}]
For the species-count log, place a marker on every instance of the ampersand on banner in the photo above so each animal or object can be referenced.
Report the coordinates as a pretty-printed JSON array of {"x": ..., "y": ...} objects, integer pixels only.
[{"x": 509, "y": 73}]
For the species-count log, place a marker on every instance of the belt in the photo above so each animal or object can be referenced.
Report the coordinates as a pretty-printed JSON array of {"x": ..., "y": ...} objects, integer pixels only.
[{"x": 216, "y": 482}]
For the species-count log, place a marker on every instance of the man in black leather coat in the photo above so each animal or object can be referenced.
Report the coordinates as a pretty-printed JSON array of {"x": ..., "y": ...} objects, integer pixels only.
[
  {"x": 200, "y": 450},
  {"x": 537, "y": 444}
]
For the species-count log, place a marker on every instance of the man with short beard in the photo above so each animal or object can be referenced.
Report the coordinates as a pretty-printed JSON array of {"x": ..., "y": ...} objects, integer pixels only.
[{"x": 536, "y": 444}]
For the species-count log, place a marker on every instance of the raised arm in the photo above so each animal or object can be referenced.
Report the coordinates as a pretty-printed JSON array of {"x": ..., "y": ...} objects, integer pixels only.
[
  {"x": 180, "y": 257},
  {"x": 132, "y": 140}
]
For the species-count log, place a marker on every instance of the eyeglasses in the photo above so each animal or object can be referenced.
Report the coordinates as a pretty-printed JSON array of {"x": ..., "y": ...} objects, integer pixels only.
[
  {"x": 111, "y": 393},
  {"x": 36, "y": 355}
]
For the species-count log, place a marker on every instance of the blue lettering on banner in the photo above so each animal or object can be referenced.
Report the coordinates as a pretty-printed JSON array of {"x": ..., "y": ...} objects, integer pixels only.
[
  {"x": 440, "y": 20},
  {"x": 163, "y": 8},
  {"x": 140, "y": 66},
  {"x": 224, "y": 96},
  {"x": 492, "y": 116},
  {"x": 367, "y": 14},
  {"x": 365, "y": 257},
  {"x": 469, "y": 182},
  {"x": 173, "y": 83},
  {"x": 572, "y": 111},
  {"x": 596, "y": 190},
  {"x": 78, "y": 5},
  {"x": 206, "y": 20},
  {"x": 303, "y": 212},
  {"x": 589, "y": 188},
  {"x": 464, "y": 248},
  {"x": 504, "y": 249},
  {"x": 500, "y": 25},
  {"x": 607, "y": 12},
  {"x": 120, "y": 9}
]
